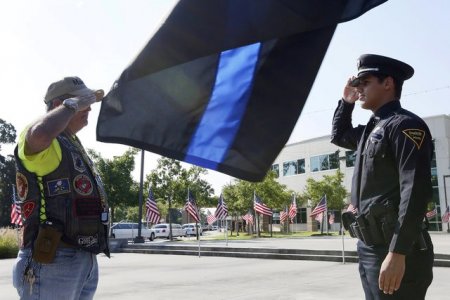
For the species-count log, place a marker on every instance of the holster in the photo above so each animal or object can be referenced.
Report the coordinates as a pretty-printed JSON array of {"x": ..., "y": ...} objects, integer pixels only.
[{"x": 48, "y": 238}]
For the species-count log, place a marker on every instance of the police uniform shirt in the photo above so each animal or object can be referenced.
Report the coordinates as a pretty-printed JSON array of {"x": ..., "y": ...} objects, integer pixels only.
[{"x": 393, "y": 164}]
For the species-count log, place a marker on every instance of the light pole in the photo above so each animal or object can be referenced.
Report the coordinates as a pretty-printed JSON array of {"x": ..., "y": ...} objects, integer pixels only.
[
  {"x": 139, "y": 238},
  {"x": 446, "y": 202}
]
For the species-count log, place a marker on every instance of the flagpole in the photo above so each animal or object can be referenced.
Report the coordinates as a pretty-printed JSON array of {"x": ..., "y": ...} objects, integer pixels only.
[
  {"x": 15, "y": 203},
  {"x": 343, "y": 246},
  {"x": 226, "y": 231}
]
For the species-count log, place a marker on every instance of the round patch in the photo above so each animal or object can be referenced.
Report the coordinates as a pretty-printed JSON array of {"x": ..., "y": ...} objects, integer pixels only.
[
  {"x": 28, "y": 208},
  {"x": 83, "y": 185},
  {"x": 22, "y": 186}
]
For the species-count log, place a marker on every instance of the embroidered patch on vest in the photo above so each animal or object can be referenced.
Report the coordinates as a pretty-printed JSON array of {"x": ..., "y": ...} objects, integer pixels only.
[
  {"x": 78, "y": 163},
  {"x": 87, "y": 240},
  {"x": 416, "y": 135},
  {"x": 22, "y": 186},
  {"x": 58, "y": 186},
  {"x": 88, "y": 207},
  {"x": 28, "y": 208},
  {"x": 83, "y": 185}
]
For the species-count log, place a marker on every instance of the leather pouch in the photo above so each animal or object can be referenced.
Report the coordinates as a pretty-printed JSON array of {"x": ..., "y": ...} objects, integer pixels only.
[{"x": 47, "y": 241}]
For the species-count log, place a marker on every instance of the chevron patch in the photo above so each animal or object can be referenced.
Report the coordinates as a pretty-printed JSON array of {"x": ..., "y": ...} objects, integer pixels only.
[{"x": 416, "y": 135}]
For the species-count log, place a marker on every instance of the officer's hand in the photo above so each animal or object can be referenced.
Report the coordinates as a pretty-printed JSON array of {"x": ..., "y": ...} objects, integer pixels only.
[
  {"x": 350, "y": 94},
  {"x": 391, "y": 273},
  {"x": 86, "y": 100}
]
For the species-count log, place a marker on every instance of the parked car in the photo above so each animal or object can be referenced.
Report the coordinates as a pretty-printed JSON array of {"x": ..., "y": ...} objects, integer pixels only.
[
  {"x": 190, "y": 229},
  {"x": 124, "y": 230},
  {"x": 163, "y": 230}
]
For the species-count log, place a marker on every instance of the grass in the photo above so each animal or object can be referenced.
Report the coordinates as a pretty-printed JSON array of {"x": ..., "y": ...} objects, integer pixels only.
[{"x": 9, "y": 244}]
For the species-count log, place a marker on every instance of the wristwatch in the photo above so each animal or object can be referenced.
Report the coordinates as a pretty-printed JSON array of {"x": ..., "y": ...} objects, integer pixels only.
[{"x": 71, "y": 104}]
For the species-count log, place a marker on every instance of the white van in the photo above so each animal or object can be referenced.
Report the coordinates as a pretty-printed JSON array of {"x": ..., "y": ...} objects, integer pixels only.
[
  {"x": 125, "y": 230},
  {"x": 190, "y": 229},
  {"x": 163, "y": 230}
]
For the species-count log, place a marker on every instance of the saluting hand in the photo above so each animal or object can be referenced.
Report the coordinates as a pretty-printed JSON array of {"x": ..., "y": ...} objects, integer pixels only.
[
  {"x": 350, "y": 94},
  {"x": 391, "y": 273}
]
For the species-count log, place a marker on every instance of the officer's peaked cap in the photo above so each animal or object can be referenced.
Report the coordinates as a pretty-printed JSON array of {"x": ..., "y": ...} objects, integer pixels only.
[{"x": 378, "y": 64}]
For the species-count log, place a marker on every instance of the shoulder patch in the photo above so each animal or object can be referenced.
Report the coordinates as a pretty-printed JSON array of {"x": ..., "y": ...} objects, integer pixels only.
[{"x": 416, "y": 135}]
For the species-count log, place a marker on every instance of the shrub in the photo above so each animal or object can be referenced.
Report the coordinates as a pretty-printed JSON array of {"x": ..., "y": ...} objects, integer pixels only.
[{"x": 9, "y": 243}]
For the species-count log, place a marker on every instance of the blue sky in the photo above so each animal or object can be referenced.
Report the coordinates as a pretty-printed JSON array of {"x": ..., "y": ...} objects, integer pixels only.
[{"x": 43, "y": 41}]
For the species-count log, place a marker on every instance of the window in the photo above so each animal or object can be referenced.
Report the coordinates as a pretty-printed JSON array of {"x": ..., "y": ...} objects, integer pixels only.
[
  {"x": 294, "y": 167},
  {"x": 350, "y": 158},
  {"x": 325, "y": 162},
  {"x": 276, "y": 169}
]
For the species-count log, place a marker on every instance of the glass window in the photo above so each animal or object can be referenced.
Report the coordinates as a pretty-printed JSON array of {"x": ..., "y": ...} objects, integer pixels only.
[
  {"x": 289, "y": 168},
  {"x": 314, "y": 164},
  {"x": 350, "y": 158},
  {"x": 301, "y": 166},
  {"x": 325, "y": 162}
]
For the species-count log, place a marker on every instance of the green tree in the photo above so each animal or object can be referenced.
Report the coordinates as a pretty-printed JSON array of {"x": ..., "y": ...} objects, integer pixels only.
[
  {"x": 331, "y": 186},
  {"x": 170, "y": 179},
  {"x": 239, "y": 195},
  {"x": 120, "y": 187},
  {"x": 7, "y": 172}
]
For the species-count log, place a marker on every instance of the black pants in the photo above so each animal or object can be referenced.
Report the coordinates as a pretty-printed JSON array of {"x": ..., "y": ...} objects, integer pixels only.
[{"x": 415, "y": 282}]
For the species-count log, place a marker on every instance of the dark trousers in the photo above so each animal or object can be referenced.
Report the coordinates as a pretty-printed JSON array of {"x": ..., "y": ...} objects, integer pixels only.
[{"x": 415, "y": 282}]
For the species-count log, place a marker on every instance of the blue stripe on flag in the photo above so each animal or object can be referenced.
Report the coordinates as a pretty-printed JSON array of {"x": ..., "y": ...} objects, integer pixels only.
[{"x": 221, "y": 119}]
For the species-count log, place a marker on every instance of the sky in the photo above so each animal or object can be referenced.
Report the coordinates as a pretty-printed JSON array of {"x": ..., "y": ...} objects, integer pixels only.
[{"x": 44, "y": 41}]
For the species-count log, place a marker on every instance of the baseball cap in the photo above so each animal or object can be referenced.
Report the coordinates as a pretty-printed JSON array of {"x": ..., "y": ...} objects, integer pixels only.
[
  {"x": 378, "y": 64},
  {"x": 72, "y": 86}
]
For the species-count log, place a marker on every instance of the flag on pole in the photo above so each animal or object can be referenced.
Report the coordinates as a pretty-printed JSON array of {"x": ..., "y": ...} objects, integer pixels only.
[
  {"x": 152, "y": 215},
  {"x": 16, "y": 211},
  {"x": 206, "y": 86},
  {"x": 430, "y": 214},
  {"x": 284, "y": 215},
  {"x": 319, "y": 217},
  {"x": 191, "y": 207},
  {"x": 222, "y": 209},
  {"x": 446, "y": 216},
  {"x": 321, "y": 206},
  {"x": 248, "y": 217},
  {"x": 293, "y": 209},
  {"x": 260, "y": 207},
  {"x": 210, "y": 218},
  {"x": 331, "y": 219}
]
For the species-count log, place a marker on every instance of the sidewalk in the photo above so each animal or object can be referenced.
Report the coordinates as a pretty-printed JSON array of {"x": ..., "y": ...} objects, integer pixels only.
[{"x": 142, "y": 276}]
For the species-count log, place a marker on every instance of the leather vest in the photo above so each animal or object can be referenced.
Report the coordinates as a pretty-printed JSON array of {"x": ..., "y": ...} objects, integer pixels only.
[{"x": 68, "y": 197}]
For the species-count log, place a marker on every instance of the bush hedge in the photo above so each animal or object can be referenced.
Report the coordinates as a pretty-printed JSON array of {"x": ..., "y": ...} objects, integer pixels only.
[{"x": 9, "y": 243}]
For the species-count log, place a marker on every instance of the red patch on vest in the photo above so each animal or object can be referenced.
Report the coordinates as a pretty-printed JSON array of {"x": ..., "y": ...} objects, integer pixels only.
[
  {"x": 28, "y": 208},
  {"x": 22, "y": 186}
]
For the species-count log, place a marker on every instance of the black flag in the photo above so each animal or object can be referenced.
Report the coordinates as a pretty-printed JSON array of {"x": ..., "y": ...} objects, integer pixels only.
[{"x": 222, "y": 83}]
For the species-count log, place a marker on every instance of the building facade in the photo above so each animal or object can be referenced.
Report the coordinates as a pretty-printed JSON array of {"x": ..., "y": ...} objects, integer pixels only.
[{"x": 317, "y": 157}]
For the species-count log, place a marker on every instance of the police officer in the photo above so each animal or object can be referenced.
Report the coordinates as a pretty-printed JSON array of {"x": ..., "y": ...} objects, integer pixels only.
[
  {"x": 392, "y": 174},
  {"x": 63, "y": 201}
]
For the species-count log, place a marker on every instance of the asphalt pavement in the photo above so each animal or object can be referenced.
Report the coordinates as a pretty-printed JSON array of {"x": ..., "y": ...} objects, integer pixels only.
[{"x": 150, "y": 276}]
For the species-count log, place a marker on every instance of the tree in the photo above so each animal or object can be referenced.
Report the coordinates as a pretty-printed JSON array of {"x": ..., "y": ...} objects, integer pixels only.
[
  {"x": 331, "y": 186},
  {"x": 239, "y": 195},
  {"x": 119, "y": 185},
  {"x": 170, "y": 179},
  {"x": 7, "y": 172}
]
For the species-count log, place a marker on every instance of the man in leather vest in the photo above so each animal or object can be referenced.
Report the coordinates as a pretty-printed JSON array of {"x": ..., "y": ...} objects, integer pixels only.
[
  {"x": 391, "y": 182},
  {"x": 64, "y": 206}
]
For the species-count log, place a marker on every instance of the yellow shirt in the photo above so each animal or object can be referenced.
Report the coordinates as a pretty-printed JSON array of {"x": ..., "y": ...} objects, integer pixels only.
[{"x": 41, "y": 163}]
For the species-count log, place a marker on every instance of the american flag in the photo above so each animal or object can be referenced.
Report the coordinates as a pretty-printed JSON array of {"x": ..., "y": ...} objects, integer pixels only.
[
  {"x": 222, "y": 209},
  {"x": 248, "y": 218},
  {"x": 284, "y": 215},
  {"x": 331, "y": 219},
  {"x": 153, "y": 216},
  {"x": 353, "y": 209},
  {"x": 260, "y": 207},
  {"x": 319, "y": 217},
  {"x": 16, "y": 211},
  {"x": 321, "y": 206},
  {"x": 210, "y": 218},
  {"x": 446, "y": 216},
  {"x": 430, "y": 214},
  {"x": 293, "y": 209},
  {"x": 191, "y": 207}
]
